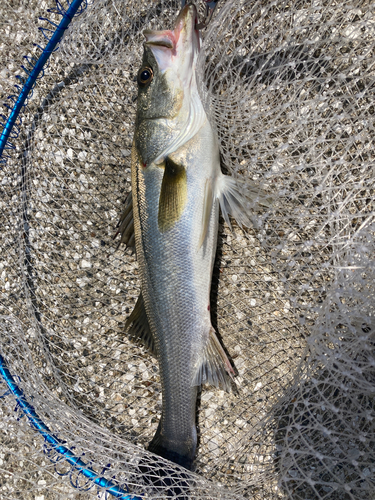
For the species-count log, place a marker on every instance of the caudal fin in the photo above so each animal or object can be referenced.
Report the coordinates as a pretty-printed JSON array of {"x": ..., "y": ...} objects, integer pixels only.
[
  {"x": 170, "y": 482},
  {"x": 173, "y": 482},
  {"x": 162, "y": 446}
]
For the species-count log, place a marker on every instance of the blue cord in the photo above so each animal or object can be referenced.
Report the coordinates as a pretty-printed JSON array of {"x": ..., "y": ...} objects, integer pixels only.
[
  {"x": 39, "y": 65},
  {"x": 69, "y": 456}
]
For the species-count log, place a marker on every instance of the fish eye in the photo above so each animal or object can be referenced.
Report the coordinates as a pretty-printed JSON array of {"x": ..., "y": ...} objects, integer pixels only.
[{"x": 145, "y": 75}]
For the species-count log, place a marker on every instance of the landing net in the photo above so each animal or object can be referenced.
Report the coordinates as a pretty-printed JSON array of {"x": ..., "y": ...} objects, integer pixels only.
[{"x": 290, "y": 88}]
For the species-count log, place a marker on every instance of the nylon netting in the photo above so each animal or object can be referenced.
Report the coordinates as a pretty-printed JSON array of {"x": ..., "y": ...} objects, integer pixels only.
[{"x": 290, "y": 89}]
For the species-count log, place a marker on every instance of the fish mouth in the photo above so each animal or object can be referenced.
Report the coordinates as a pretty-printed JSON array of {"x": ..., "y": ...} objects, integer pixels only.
[
  {"x": 178, "y": 48},
  {"x": 186, "y": 25}
]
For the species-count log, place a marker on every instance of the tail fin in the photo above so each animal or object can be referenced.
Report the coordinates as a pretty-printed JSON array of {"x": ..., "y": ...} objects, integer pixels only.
[
  {"x": 162, "y": 446},
  {"x": 174, "y": 483}
]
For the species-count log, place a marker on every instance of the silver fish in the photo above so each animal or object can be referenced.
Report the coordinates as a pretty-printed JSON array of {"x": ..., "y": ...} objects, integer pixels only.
[{"x": 177, "y": 187}]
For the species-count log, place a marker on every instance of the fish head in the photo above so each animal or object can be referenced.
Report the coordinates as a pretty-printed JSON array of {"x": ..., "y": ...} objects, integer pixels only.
[{"x": 167, "y": 89}]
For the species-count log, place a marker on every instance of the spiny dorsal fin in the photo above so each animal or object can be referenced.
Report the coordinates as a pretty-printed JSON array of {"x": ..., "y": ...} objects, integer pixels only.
[
  {"x": 173, "y": 195},
  {"x": 213, "y": 366},
  {"x": 126, "y": 224},
  {"x": 138, "y": 328}
]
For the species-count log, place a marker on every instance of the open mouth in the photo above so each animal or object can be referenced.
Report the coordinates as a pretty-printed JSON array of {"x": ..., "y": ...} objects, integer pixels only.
[
  {"x": 165, "y": 38},
  {"x": 177, "y": 47},
  {"x": 187, "y": 20},
  {"x": 165, "y": 42}
]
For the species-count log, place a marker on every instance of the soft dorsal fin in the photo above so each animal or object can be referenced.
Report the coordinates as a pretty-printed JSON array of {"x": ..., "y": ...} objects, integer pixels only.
[
  {"x": 138, "y": 328},
  {"x": 173, "y": 195},
  {"x": 213, "y": 366}
]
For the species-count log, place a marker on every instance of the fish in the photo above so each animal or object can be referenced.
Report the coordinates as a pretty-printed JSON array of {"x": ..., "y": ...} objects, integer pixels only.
[{"x": 172, "y": 218}]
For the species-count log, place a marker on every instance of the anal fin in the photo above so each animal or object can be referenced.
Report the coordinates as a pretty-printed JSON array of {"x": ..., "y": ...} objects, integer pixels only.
[
  {"x": 138, "y": 328},
  {"x": 213, "y": 366}
]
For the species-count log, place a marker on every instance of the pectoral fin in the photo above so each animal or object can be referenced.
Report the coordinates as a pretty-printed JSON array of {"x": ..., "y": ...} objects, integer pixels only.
[
  {"x": 238, "y": 198},
  {"x": 138, "y": 328},
  {"x": 213, "y": 366},
  {"x": 173, "y": 195}
]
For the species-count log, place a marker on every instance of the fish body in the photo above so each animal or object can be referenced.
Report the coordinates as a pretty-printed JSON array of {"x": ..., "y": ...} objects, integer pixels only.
[
  {"x": 177, "y": 187},
  {"x": 176, "y": 274}
]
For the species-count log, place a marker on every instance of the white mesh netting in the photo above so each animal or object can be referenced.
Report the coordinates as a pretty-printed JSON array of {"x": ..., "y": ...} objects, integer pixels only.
[{"x": 290, "y": 88}]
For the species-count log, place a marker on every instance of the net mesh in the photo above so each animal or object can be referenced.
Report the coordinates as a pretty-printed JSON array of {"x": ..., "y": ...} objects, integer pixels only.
[{"x": 289, "y": 87}]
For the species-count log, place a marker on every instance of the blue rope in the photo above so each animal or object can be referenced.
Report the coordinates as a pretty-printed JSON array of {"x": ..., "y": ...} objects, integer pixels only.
[
  {"x": 33, "y": 75},
  {"x": 79, "y": 465}
]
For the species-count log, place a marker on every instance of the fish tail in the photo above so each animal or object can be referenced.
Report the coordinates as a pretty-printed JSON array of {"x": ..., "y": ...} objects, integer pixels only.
[
  {"x": 174, "y": 483},
  {"x": 160, "y": 445}
]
